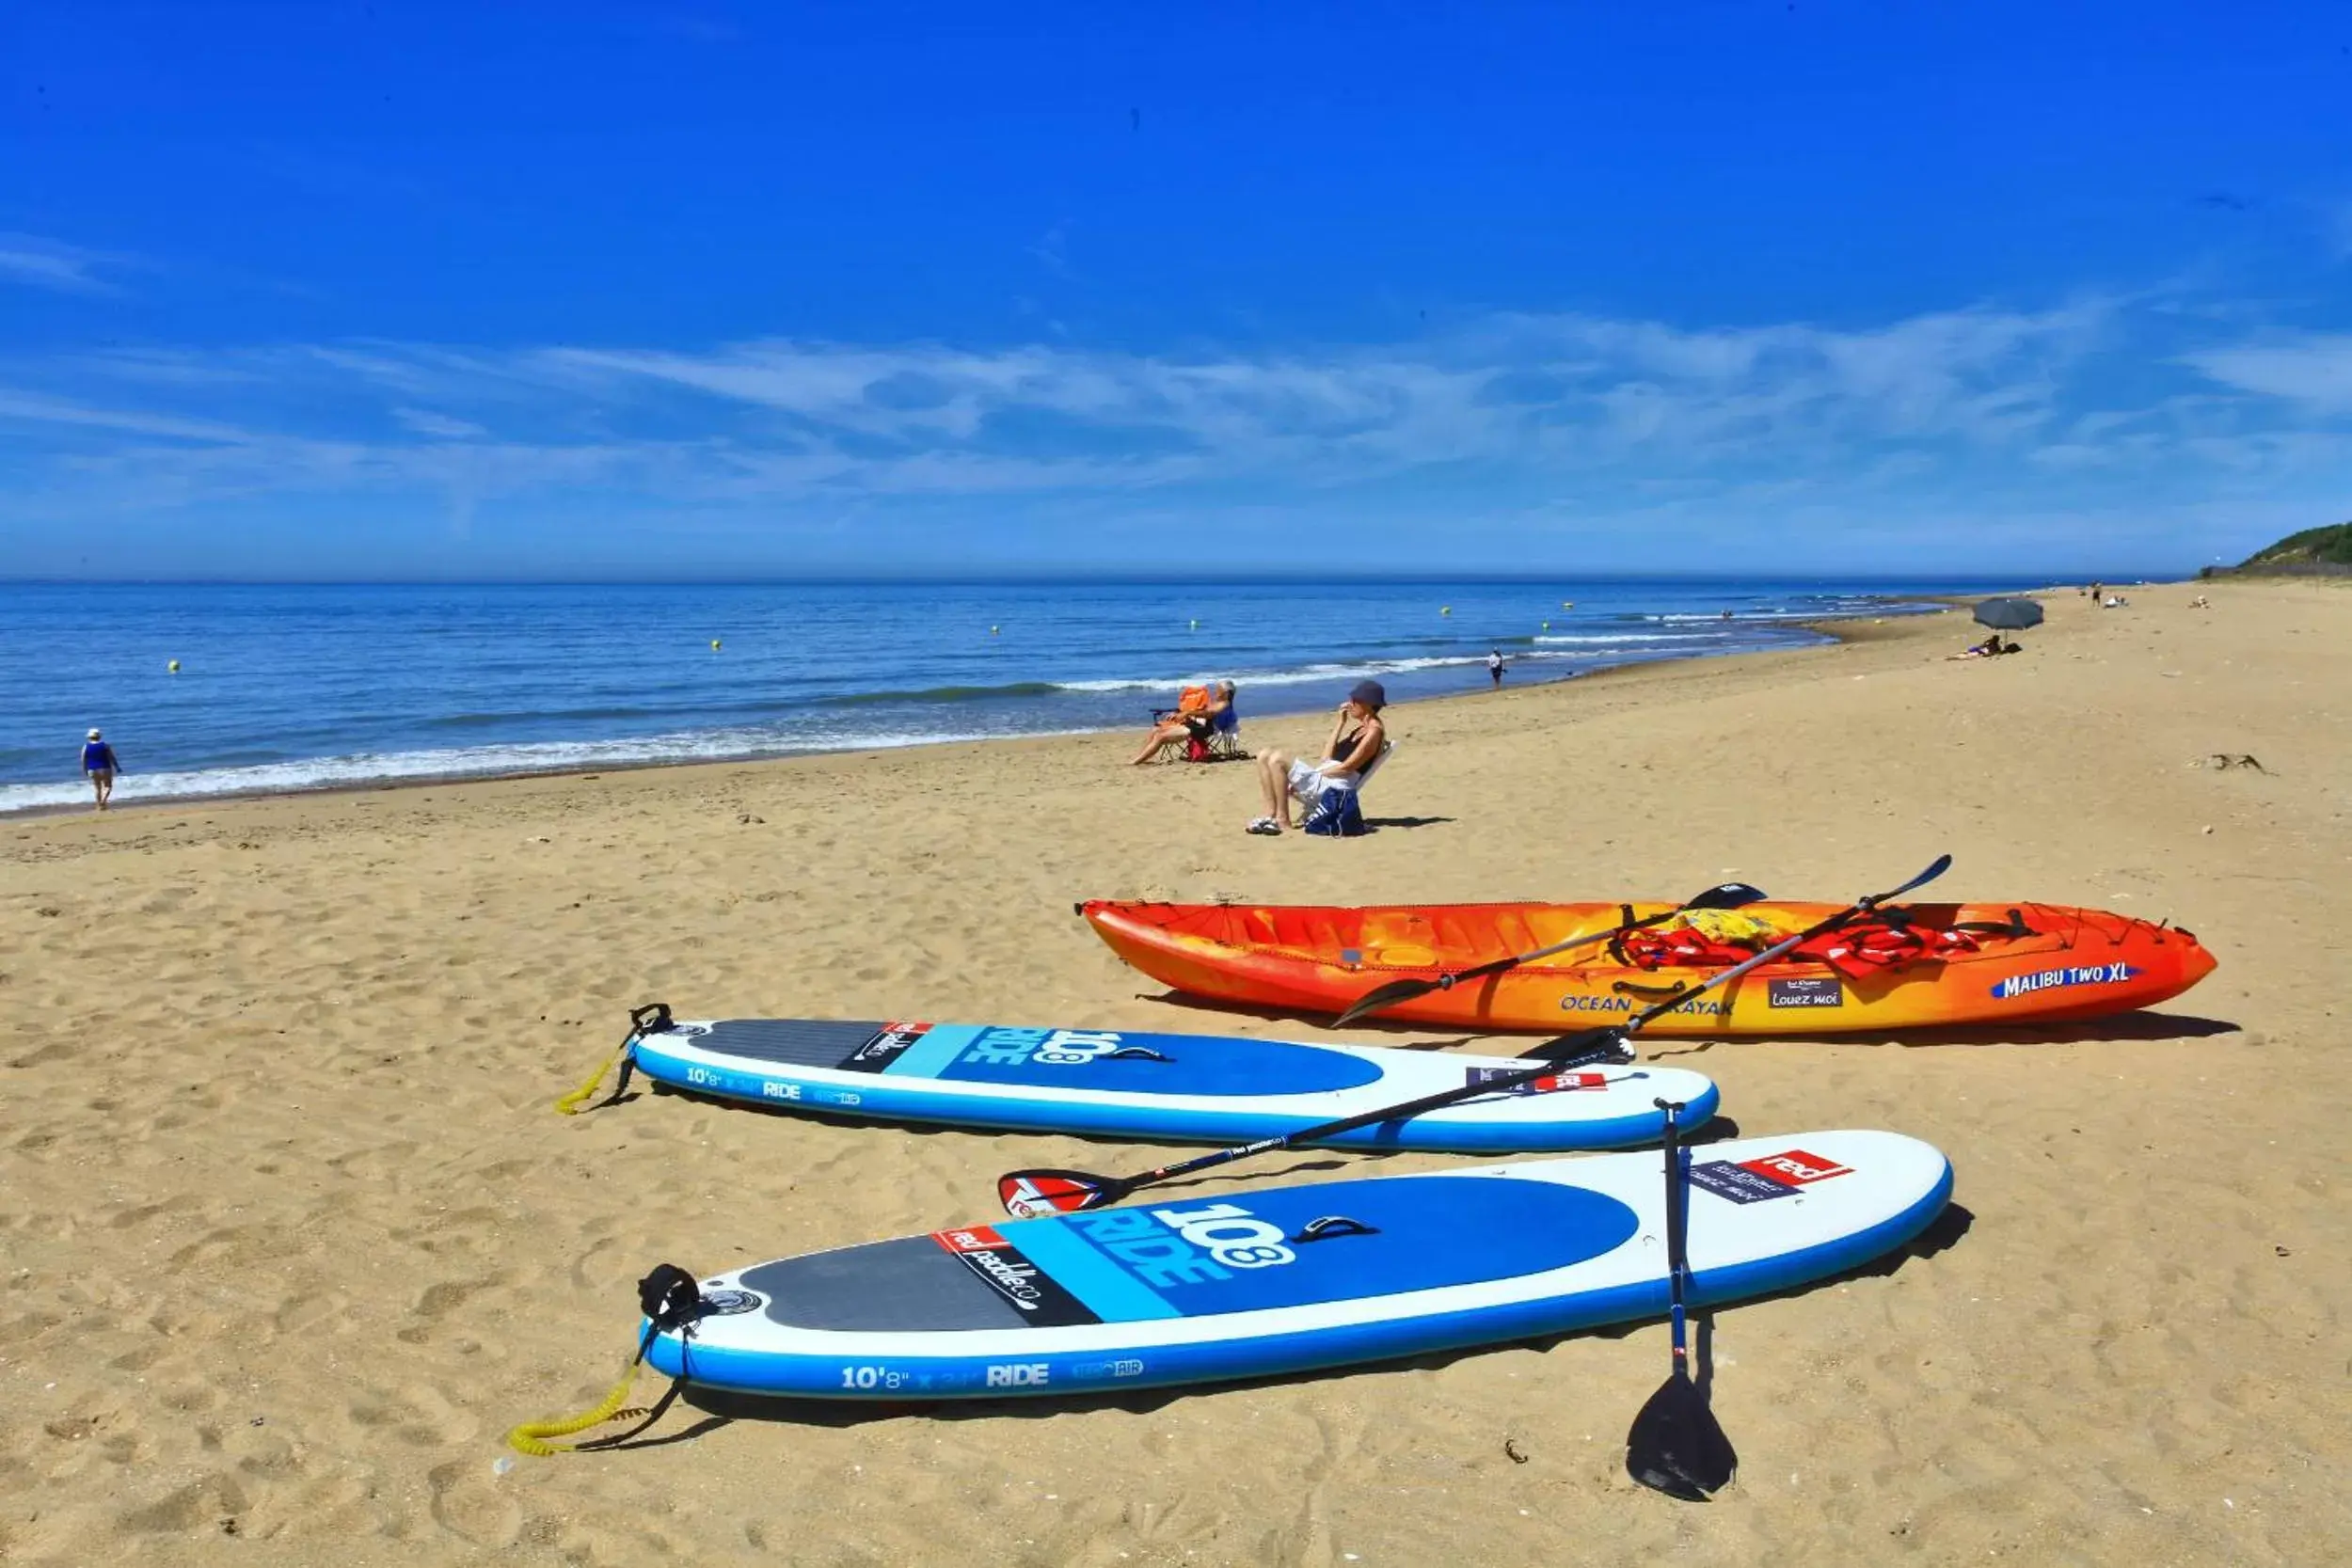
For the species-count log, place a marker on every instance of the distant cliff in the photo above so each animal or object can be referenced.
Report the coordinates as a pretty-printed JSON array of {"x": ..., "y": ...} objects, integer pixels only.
[{"x": 2313, "y": 552}]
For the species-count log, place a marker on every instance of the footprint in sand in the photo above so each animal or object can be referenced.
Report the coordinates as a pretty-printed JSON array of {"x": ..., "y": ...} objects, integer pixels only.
[
  {"x": 468, "y": 1505},
  {"x": 200, "y": 1505}
]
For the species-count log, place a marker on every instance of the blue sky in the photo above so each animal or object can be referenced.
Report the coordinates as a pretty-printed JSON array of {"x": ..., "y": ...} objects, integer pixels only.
[{"x": 342, "y": 290}]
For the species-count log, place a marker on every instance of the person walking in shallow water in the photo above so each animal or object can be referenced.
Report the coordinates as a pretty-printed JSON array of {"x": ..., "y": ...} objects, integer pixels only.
[
  {"x": 1494, "y": 667},
  {"x": 97, "y": 764}
]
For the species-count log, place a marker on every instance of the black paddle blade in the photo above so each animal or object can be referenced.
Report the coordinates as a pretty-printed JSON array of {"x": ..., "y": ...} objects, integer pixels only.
[
  {"x": 1676, "y": 1447},
  {"x": 1384, "y": 996},
  {"x": 1727, "y": 896},
  {"x": 1577, "y": 1050},
  {"x": 1941, "y": 864},
  {"x": 1028, "y": 1195}
]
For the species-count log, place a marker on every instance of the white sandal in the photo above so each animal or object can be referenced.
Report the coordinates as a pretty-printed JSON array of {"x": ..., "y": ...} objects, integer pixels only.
[{"x": 1266, "y": 825}]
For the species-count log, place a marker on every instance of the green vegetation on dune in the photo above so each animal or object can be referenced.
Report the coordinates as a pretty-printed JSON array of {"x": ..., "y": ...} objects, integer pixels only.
[{"x": 2331, "y": 546}]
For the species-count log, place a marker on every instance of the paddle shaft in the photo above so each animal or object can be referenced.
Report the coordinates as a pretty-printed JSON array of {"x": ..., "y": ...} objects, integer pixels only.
[
  {"x": 1678, "y": 1217},
  {"x": 1496, "y": 966},
  {"x": 1410, "y": 1108},
  {"x": 1110, "y": 1189},
  {"x": 1726, "y": 896}
]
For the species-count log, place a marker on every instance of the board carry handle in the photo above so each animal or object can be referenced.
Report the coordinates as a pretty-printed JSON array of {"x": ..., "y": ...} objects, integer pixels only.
[
  {"x": 670, "y": 1300},
  {"x": 651, "y": 1018}
]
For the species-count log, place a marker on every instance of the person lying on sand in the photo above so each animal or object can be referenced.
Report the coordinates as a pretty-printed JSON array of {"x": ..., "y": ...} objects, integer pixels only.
[
  {"x": 1357, "y": 737},
  {"x": 1985, "y": 649},
  {"x": 1197, "y": 724}
]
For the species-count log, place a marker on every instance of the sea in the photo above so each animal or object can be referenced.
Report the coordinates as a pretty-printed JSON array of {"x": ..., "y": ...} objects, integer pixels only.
[{"x": 210, "y": 690}]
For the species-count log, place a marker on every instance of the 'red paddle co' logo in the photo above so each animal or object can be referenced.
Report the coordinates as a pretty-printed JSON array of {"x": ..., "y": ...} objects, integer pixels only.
[
  {"x": 1796, "y": 1168},
  {"x": 1761, "y": 1180}
]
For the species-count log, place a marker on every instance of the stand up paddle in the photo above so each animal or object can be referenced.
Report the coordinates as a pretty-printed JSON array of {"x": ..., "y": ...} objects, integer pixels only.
[
  {"x": 1725, "y": 895},
  {"x": 1026, "y": 1193},
  {"x": 1677, "y": 1445}
]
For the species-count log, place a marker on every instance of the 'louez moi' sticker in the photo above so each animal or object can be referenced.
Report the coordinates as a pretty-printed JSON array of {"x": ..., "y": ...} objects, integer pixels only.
[{"x": 1760, "y": 1181}]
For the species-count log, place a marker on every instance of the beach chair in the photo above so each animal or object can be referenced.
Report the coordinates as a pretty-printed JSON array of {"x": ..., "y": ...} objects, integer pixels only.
[
  {"x": 1338, "y": 810},
  {"x": 1223, "y": 744}
]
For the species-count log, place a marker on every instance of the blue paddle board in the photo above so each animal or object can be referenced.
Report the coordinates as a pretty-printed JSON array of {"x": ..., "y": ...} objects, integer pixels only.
[
  {"x": 1178, "y": 1089},
  {"x": 1275, "y": 1280}
]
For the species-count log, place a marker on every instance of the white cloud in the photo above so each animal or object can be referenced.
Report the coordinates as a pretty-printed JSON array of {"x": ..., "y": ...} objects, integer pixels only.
[
  {"x": 40, "y": 263},
  {"x": 35, "y": 408},
  {"x": 426, "y": 422},
  {"x": 2309, "y": 367},
  {"x": 1598, "y": 411}
]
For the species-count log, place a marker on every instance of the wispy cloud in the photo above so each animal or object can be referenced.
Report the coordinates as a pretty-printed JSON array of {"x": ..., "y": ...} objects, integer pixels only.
[
  {"x": 42, "y": 263},
  {"x": 2309, "y": 367},
  {"x": 1521, "y": 415},
  {"x": 1051, "y": 249},
  {"x": 426, "y": 422},
  {"x": 35, "y": 408}
]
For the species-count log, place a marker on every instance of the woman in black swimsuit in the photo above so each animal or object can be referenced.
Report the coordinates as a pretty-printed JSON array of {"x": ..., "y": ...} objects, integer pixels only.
[{"x": 1357, "y": 737}]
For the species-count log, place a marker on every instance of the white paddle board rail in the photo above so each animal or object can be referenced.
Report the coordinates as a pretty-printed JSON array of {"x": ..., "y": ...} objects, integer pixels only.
[
  {"x": 1182, "y": 1088},
  {"x": 1270, "y": 1281}
]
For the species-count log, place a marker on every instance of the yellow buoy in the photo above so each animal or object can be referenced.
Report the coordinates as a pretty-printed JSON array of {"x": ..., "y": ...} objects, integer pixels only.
[
  {"x": 1445, "y": 610},
  {"x": 714, "y": 644},
  {"x": 992, "y": 631},
  {"x": 173, "y": 667}
]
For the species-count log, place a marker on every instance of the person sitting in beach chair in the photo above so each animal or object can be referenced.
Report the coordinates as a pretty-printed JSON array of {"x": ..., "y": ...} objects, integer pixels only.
[
  {"x": 1328, "y": 788},
  {"x": 1201, "y": 716}
]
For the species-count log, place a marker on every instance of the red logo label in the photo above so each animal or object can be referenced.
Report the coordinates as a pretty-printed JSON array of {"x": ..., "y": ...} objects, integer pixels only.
[
  {"x": 1794, "y": 1167},
  {"x": 974, "y": 1238},
  {"x": 909, "y": 1029}
]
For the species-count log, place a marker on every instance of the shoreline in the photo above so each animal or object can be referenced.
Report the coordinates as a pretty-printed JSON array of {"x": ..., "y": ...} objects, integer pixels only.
[{"x": 1838, "y": 630}]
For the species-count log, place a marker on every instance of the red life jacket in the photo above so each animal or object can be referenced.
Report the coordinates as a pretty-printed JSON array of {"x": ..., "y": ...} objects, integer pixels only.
[{"x": 1851, "y": 950}]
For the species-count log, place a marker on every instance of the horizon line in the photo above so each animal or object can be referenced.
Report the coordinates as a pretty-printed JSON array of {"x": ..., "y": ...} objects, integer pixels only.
[{"x": 1135, "y": 576}]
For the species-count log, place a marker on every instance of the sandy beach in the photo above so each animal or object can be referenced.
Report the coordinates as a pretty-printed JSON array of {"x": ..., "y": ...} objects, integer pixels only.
[{"x": 292, "y": 1235}]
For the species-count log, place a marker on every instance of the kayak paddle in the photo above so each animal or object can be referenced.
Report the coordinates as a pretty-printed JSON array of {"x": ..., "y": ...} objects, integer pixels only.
[
  {"x": 1028, "y": 1193},
  {"x": 1727, "y": 896},
  {"x": 1676, "y": 1444}
]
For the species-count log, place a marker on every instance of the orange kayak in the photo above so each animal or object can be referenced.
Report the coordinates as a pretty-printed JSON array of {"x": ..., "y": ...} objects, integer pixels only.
[{"x": 1929, "y": 965}]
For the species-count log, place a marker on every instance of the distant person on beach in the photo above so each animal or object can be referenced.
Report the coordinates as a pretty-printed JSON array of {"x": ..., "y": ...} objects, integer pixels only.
[
  {"x": 1197, "y": 722},
  {"x": 1494, "y": 667},
  {"x": 99, "y": 765},
  {"x": 1985, "y": 649},
  {"x": 1357, "y": 737}
]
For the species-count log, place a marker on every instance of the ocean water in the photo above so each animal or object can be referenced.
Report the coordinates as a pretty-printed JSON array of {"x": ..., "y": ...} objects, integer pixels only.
[{"x": 292, "y": 686}]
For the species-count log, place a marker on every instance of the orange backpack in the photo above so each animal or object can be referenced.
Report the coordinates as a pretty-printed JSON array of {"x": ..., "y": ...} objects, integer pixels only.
[{"x": 1192, "y": 699}]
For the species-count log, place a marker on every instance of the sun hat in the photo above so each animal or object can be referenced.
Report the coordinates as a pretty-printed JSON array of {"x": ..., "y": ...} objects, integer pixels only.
[
  {"x": 1370, "y": 694},
  {"x": 93, "y": 735}
]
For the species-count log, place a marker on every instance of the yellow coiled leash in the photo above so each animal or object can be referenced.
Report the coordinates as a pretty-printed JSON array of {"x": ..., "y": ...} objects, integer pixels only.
[
  {"x": 669, "y": 1299},
  {"x": 651, "y": 1018}
]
